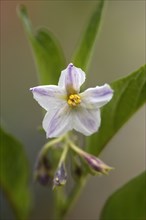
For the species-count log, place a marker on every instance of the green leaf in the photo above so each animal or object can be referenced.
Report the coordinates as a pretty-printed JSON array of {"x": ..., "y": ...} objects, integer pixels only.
[
  {"x": 129, "y": 96},
  {"x": 14, "y": 175},
  {"x": 84, "y": 51},
  {"x": 47, "y": 52},
  {"x": 127, "y": 203}
]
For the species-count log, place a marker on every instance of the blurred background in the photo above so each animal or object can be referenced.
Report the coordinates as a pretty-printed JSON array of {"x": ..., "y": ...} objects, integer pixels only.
[{"x": 120, "y": 50}]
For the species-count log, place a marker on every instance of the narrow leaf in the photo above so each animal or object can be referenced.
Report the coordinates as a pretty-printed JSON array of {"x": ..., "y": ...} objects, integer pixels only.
[
  {"x": 84, "y": 51},
  {"x": 129, "y": 95},
  {"x": 14, "y": 175},
  {"x": 47, "y": 52},
  {"x": 127, "y": 203}
]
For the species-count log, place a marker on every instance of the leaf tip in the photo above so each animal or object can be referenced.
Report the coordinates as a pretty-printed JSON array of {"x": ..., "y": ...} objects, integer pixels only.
[
  {"x": 22, "y": 10},
  {"x": 22, "y": 13}
]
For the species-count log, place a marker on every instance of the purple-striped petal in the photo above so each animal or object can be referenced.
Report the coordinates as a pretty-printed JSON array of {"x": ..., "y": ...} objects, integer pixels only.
[
  {"x": 71, "y": 78},
  {"x": 86, "y": 121},
  {"x": 57, "y": 122},
  {"x": 49, "y": 96},
  {"x": 94, "y": 98}
]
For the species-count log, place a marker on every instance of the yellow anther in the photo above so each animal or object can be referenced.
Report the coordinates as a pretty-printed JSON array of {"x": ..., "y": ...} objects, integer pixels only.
[{"x": 74, "y": 100}]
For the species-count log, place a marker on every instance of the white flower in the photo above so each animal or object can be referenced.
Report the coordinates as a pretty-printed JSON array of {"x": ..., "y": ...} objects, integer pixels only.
[{"x": 69, "y": 109}]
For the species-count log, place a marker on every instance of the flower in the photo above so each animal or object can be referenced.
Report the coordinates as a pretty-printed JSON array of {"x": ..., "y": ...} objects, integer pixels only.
[{"x": 69, "y": 109}]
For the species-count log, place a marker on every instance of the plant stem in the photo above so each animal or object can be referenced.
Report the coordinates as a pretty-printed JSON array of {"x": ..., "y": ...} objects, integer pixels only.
[
  {"x": 76, "y": 149},
  {"x": 64, "y": 154},
  {"x": 60, "y": 196},
  {"x": 73, "y": 197},
  {"x": 50, "y": 144},
  {"x": 64, "y": 203}
]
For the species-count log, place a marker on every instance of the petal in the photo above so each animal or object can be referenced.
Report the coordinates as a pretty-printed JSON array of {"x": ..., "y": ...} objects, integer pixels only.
[
  {"x": 87, "y": 121},
  {"x": 94, "y": 98},
  {"x": 49, "y": 96},
  {"x": 58, "y": 122},
  {"x": 71, "y": 78}
]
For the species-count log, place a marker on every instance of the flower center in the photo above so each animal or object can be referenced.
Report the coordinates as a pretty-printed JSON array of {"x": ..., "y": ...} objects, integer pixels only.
[{"x": 74, "y": 100}]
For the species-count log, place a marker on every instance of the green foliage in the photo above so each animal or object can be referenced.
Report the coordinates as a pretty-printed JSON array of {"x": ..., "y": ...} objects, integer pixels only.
[
  {"x": 127, "y": 203},
  {"x": 48, "y": 54},
  {"x": 129, "y": 95},
  {"x": 14, "y": 175},
  {"x": 84, "y": 51}
]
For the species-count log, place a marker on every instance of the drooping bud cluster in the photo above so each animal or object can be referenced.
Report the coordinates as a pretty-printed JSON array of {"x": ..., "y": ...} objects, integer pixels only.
[{"x": 44, "y": 172}]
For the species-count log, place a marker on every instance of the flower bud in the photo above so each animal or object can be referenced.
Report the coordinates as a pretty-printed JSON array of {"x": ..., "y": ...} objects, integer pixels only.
[
  {"x": 60, "y": 176},
  {"x": 96, "y": 164},
  {"x": 43, "y": 171}
]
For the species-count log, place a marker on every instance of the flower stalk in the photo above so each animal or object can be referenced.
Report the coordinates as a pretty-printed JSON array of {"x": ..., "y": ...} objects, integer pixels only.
[
  {"x": 51, "y": 143},
  {"x": 61, "y": 174},
  {"x": 94, "y": 163}
]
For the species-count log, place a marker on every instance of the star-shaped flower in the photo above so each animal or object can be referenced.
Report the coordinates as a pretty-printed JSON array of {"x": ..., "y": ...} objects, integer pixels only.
[{"x": 69, "y": 109}]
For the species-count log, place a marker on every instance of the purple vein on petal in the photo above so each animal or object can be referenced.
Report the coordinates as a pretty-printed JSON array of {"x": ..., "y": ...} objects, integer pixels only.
[
  {"x": 43, "y": 92},
  {"x": 53, "y": 122},
  {"x": 70, "y": 78},
  {"x": 105, "y": 92},
  {"x": 40, "y": 91}
]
